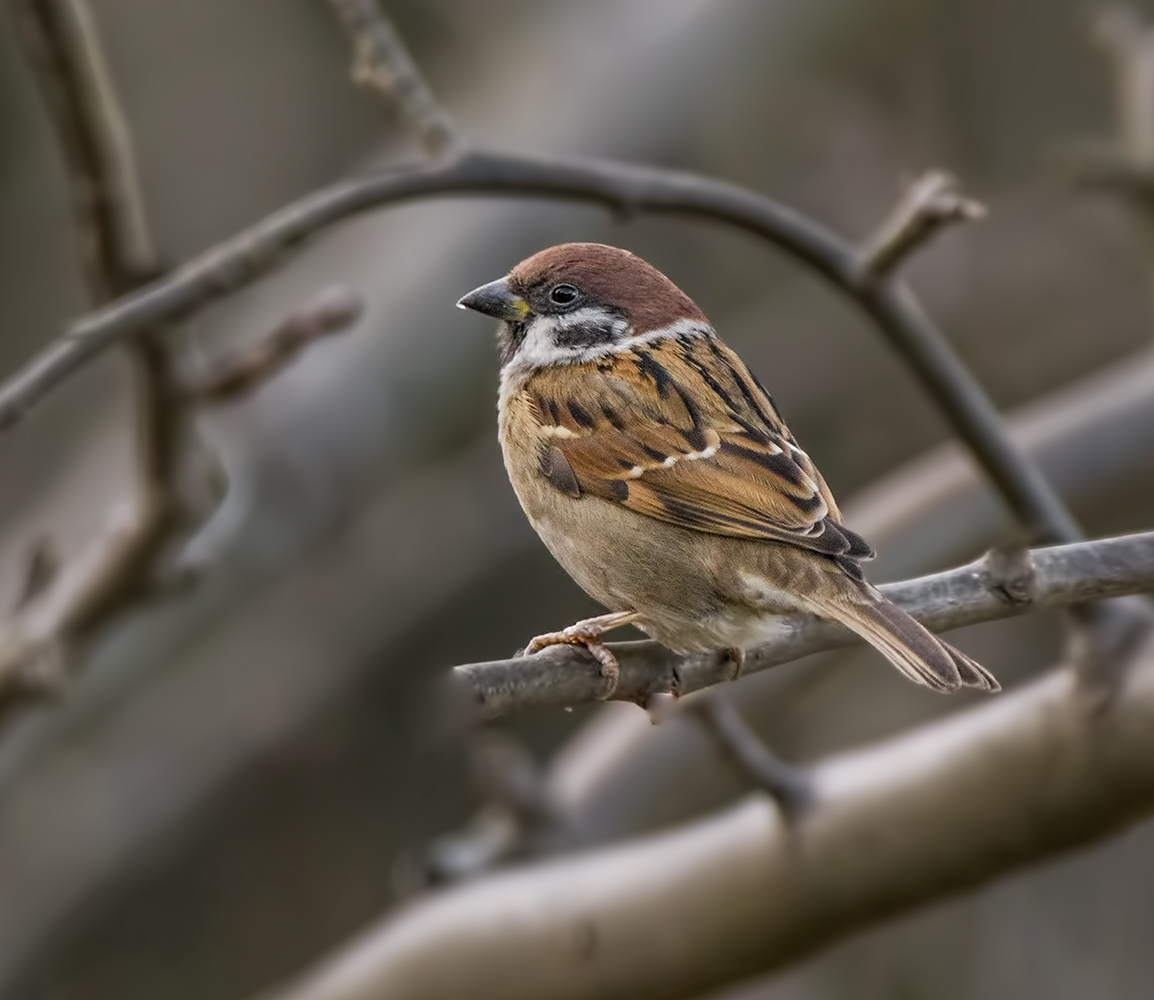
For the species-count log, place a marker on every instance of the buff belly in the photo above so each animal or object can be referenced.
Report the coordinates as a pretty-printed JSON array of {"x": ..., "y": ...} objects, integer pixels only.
[{"x": 693, "y": 592}]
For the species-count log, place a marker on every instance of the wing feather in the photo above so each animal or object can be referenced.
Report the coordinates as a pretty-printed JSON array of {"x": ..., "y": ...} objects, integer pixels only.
[{"x": 681, "y": 431}]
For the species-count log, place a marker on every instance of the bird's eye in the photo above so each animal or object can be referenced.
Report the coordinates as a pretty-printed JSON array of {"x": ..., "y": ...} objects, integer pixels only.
[{"x": 563, "y": 295}]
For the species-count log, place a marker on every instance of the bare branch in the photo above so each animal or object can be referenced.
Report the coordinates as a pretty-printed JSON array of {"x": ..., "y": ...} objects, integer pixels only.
[
  {"x": 623, "y": 188},
  {"x": 929, "y": 205},
  {"x": 979, "y": 592},
  {"x": 113, "y": 241},
  {"x": 382, "y": 63},
  {"x": 330, "y": 312},
  {"x": 116, "y": 256},
  {"x": 894, "y": 826},
  {"x": 49, "y": 623}
]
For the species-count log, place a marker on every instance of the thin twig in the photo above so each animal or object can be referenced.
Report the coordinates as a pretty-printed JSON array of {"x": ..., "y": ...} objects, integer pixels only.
[
  {"x": 929, "y": 205},
  {"x": 518, "y": 810},
  {"x": 790, "y": 787},
  {"x": 330, "y": 312},
  {"x": 979, "y": 592},
  {"x": 382, "y": 63},
  {"x": 115, "y": 248}
]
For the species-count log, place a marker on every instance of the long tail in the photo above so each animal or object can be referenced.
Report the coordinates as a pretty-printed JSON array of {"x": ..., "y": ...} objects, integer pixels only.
[{"x": 915, "y": 651}]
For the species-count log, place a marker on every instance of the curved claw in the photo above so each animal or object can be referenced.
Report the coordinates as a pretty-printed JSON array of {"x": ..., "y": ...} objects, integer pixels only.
[
  {"x": 575, "y": 636},
  {"x": 588, "y": 633}
]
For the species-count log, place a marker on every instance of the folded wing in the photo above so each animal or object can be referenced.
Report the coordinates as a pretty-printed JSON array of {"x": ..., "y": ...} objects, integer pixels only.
[{"x": 681, "y": 431}]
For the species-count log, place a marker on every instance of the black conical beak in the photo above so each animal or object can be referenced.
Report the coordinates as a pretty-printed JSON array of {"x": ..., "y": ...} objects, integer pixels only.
[{"x": 496, "y": 299}]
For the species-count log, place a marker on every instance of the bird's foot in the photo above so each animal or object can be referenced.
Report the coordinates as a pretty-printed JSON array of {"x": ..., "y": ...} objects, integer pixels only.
[
  {"x": 736, "y": 660},
  {"x": 588, "y": 633}
]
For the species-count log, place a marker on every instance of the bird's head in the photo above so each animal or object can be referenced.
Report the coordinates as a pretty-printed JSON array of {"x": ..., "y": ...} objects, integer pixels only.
[{"x": 577, "y": 302}]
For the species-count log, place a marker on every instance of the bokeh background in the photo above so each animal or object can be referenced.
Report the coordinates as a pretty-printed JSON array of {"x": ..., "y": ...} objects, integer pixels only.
[{"x": 244, "y": 775}]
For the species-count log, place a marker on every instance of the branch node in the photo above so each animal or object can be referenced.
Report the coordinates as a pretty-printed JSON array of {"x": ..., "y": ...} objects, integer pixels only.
[
  {"x": 929, "y": 205},
  {"x": 1012, "y": 575},
  {"x": 790, "y": 787}
]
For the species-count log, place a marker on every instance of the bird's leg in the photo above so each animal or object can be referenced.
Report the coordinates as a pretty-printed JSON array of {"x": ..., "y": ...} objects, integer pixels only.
[{"x": 588, "y": 633}]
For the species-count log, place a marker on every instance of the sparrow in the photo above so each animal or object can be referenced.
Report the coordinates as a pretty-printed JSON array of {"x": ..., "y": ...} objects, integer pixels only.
[{"x": 660, "y": 474}]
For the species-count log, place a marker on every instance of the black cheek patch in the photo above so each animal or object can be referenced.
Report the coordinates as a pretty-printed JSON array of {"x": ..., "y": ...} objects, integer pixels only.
[
  {"x": 584, "y": 335},
  {"x": 556, "y": 468}
]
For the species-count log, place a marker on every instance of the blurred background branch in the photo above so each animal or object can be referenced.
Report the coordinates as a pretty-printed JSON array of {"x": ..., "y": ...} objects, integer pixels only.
[
  {"x": 126, "y": 563},
  {"x": 116, "y": 254},
  {"x": 229, "y": 379}
]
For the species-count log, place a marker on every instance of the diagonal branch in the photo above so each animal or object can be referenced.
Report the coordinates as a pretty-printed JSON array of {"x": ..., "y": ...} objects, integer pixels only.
[
  {"x": 991, "y": 588},
  {"x": 623, "y": 188}
]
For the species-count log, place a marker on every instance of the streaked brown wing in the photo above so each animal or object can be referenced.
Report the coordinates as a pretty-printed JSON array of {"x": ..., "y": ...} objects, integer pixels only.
[{"x": 681, "y": 431}]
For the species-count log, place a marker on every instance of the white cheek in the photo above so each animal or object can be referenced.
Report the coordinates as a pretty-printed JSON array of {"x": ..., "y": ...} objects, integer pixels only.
[{"x": 539, "y": 348}]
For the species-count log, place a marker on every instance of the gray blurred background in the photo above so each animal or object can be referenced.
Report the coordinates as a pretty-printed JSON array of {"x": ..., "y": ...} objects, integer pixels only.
[{"x": 237, "y": 776}]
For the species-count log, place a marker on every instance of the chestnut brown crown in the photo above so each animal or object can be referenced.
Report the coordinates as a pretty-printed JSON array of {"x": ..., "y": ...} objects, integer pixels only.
[
  {"x": 573, "y": 301},
  {"x": 608, "y": 277}
]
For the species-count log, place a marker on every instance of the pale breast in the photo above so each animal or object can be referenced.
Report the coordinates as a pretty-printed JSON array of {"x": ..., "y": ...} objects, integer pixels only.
[{"x": 676, "y": 579}]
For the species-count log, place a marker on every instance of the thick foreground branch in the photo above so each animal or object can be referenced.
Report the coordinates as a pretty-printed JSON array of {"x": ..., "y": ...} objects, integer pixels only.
[
  {"x": 996, "y": 586},
  {"x": 950, "y": 806}
]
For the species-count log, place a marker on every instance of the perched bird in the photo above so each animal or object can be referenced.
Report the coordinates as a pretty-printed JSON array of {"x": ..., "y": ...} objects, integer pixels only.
[{"x": 661, "y": 475}]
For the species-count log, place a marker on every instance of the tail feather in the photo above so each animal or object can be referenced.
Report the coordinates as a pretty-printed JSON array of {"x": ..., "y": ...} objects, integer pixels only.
[{"x": 914, "y": 650}]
